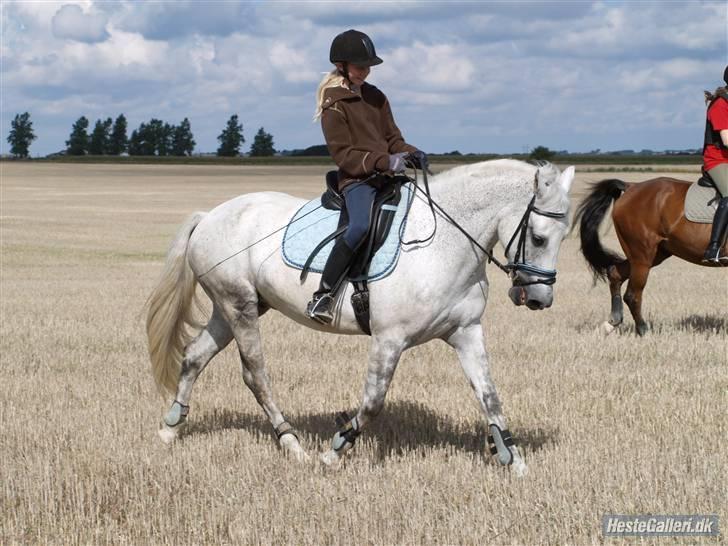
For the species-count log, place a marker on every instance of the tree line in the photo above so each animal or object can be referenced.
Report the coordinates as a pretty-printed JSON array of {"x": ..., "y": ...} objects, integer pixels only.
[{"x": 152, "y": 138}]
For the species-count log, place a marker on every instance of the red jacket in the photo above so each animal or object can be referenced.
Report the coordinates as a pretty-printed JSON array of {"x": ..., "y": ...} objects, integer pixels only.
[
  {"x": 717, "y": 117},
  {"x": 360, "y": 132}
]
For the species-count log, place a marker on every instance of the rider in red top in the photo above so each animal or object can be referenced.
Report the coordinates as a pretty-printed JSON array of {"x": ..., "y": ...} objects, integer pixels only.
[{"x": 715, "y": 163}]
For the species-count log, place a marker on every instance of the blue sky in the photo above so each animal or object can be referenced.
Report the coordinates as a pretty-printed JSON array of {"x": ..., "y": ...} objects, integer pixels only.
[{"x": 473, "y": 76}]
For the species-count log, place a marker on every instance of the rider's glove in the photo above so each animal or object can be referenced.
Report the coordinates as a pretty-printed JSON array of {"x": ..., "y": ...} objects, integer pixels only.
[
  {"x": 418, "y": 160},
  {"x": 397, "y": 162}
]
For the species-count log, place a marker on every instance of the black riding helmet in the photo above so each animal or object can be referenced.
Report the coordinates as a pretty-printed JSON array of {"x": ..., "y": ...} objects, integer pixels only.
[
  {"x": 725, "y": 75},
  {"x": 353, "y": 47}
]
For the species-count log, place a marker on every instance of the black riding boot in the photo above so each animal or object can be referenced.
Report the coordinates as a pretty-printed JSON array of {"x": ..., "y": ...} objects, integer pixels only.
[
  {"x": 717, "y": 235},
  {"x": 320, "y": 308}
]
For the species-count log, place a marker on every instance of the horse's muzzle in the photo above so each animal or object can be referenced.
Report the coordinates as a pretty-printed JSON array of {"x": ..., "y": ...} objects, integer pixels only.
[{"x": 534, "y": 297}]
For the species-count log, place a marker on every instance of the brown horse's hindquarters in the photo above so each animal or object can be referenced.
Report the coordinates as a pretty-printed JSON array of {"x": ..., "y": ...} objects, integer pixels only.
[{"x": 661, "y": 228}]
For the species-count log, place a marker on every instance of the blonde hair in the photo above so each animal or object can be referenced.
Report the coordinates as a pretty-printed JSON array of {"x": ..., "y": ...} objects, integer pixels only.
[{"x": 332, "y": 79}]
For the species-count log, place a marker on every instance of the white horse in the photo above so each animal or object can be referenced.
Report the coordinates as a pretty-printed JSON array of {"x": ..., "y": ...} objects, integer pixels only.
[{"x": 437, "y": 291}]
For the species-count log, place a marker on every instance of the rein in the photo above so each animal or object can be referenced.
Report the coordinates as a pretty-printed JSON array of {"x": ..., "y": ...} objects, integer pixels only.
[{"x": 546, "y": 276}]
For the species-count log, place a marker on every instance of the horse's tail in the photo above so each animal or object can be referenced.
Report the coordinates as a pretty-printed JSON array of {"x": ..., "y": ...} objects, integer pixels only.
[
  {"x": 589, "y": 215},
  {"x": 171, "y": 310}
]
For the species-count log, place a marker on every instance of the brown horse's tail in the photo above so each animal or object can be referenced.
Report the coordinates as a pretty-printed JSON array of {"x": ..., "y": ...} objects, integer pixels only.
[{"x": 589, "y": 215}]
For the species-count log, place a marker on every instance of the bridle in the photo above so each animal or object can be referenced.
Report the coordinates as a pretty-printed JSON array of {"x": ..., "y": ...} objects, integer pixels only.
[
  {"x": 545, "y": 276},
  {"x": 519, "y": 263}
]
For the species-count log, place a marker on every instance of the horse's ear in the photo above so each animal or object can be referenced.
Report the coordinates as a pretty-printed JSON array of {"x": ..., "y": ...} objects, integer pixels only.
[
  {"x": 567, "y": 178},
  {"x": 542, "y": 182}
]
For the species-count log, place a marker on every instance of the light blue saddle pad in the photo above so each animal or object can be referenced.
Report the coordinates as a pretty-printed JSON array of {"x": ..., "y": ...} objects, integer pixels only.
[{"x": 313, "y": 223}]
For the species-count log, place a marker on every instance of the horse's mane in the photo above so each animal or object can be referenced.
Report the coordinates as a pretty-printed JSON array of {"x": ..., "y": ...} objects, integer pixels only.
[{"x": 510, "y": 175}]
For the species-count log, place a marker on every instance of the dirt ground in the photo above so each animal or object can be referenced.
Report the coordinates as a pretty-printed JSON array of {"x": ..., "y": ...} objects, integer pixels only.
[{"x": 609, "y": 425}]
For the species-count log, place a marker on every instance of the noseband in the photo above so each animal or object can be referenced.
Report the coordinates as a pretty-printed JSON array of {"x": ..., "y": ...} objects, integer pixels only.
[{"x": 519, "y": 263}]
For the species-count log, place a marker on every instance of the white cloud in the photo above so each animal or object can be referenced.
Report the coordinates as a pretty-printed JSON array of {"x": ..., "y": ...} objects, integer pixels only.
[
  {"x": 293, "y": 64},
  {"x": 428, "y": 74},
  {"x": 474, "y": 77},
  {"x": 70, "y": 22}
]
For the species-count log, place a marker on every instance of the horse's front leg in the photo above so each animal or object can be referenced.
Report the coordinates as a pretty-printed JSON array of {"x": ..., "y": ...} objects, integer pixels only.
[
  {"x": 469, "y": 343},
  {"x": 383, "y": 358}
]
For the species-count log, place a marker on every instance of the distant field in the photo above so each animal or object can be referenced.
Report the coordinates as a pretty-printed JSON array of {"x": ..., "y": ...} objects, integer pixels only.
[
  {"x": 596, "y": 161},
  {"x": 621, "y": 424}
]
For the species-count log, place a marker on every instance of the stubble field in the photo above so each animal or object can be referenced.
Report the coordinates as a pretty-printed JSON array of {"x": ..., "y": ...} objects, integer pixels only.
[{"x": 608, "y": 425}]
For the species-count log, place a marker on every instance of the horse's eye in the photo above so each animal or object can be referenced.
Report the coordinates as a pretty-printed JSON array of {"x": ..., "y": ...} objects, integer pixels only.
[{"x": 538, "y": 241}]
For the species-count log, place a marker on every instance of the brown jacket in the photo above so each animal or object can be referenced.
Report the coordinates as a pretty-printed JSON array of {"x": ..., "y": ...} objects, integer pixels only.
[{"x": 360, "y": 132}]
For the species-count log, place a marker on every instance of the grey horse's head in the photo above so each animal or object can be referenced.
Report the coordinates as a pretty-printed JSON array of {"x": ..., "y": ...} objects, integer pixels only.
[{"x": 534, "y": 250}]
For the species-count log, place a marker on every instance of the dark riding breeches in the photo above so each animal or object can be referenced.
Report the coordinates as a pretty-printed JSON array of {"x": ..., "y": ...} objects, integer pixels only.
[{"x": 359, "y": 198}]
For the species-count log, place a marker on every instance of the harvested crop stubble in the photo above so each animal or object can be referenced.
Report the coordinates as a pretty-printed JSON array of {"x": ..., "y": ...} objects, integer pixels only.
[{"x": 617, "y": 425}]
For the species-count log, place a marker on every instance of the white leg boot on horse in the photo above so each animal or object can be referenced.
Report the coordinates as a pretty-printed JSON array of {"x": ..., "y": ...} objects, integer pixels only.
[
  {"x": 469, "y": 344},
  {"x": 213, "y": 339},
  {"x": 383, "y": 359}
]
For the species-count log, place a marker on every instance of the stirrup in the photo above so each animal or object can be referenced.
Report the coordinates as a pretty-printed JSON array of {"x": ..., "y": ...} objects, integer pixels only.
[
  {"x": 320, "y": 308},
  {"x": 715, "y": 257}
]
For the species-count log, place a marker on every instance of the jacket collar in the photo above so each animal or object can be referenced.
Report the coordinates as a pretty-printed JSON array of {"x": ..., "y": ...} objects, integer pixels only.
[{"x": 335, "y": 94}]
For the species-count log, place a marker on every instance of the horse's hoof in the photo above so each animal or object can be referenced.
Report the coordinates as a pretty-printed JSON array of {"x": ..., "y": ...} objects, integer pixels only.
[
  {"x": 169, "y": 434},
  {"x": 331, "y": 459},
  {"x": 519, "y": 469},
  {"x": 290, "y": 444},
  {"x": 607, "y": 328}
]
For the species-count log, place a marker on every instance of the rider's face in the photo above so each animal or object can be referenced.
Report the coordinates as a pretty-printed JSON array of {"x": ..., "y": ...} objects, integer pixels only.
[{"x": 357, "y": 74}]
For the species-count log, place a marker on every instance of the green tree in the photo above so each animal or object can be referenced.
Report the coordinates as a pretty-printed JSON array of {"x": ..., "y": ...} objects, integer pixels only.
[
  {"x": 542, "y": 153},
  {"x": 133, "y": 145},
  {"x": 118, "y": 141},
  {"x": 142, "y": 140},
  {"x": 78, "y": 141},
  {"x": 99, "y": 142},
  {"x": 231, "y": 138},
  {"x": 262, "y": 144},
  {"x": 163, "y": 132},
  {"x": 183, "y": 141},
  {"x": 21, "y": 135}
]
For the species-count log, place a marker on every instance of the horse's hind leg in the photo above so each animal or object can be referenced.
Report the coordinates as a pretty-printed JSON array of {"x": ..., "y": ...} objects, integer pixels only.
[
  {"x": 616, "y": 275},
  {"x": 246, "y": 331},
  {"x": 633, "y": 295},
  {"x": 213, "y": 339},
  {"x": 383, "y": 358},
  {"x": 637, "y": 282},
  {"x": 469, "y": 343}
]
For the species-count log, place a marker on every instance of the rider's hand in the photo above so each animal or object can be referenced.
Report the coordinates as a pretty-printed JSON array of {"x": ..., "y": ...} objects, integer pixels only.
[
  {"x": 397, "y": 162},
  {"x": 418, "y": 160}
]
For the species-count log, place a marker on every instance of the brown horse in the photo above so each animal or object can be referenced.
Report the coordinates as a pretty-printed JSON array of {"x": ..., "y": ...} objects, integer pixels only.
[{"x": 651, "y": 227}]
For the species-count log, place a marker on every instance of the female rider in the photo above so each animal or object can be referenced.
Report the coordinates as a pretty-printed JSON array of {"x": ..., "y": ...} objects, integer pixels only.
[
  {"x": 365, "y": 144},
  {"x": 715, "y": 163}
]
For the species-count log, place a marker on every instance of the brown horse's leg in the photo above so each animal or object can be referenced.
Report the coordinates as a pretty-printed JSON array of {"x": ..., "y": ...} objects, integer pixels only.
[
  {"x": 637, "y": 281},
  {"x": 633, "y": 295},
  {"x": 617, "y": 274}
]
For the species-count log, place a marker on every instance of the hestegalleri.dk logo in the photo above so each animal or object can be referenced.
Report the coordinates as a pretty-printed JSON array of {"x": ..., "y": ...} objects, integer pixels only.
[{"x": 619, "y": 525}]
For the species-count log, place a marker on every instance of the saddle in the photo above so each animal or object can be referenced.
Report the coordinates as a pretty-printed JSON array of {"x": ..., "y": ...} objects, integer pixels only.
[
  {"x": 701, "y": 200},
  {"x": 382, "y": 214}
]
